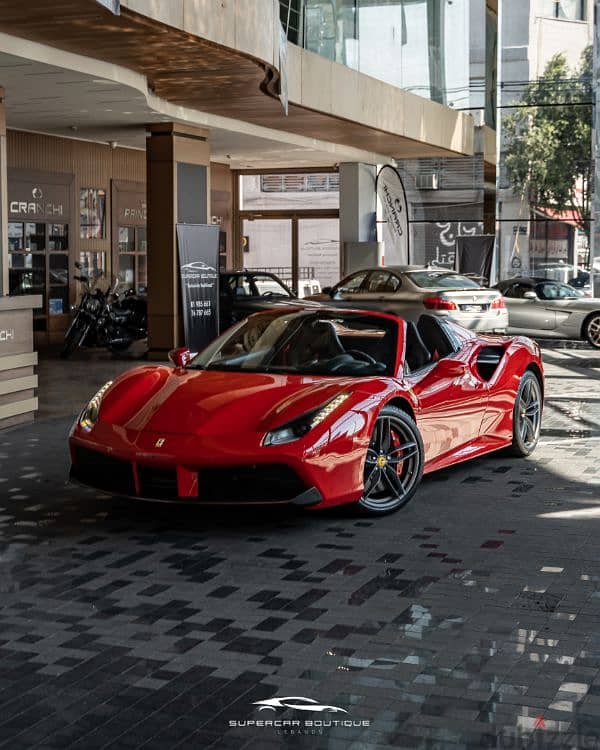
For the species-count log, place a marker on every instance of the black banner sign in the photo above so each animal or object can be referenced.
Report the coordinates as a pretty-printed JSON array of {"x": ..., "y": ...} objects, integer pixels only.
[
  {"x": 198, "y": 246},
  {"x": 474, "y": 256}
]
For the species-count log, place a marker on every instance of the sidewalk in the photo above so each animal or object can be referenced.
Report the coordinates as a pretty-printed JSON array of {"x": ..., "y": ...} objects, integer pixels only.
[{"x": 469, "y": 619}]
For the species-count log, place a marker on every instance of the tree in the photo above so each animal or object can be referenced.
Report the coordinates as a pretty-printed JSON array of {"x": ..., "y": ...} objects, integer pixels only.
[{"x": 548, "y": 140}]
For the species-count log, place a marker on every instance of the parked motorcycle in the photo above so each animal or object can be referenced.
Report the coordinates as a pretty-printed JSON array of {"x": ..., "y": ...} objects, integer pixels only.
[{"x": 106, "y": 319}]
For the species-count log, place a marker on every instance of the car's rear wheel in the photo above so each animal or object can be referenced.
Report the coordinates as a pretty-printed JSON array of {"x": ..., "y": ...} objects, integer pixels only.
[
  {"x": 592, "y": 330},
  {"x": 527, "y": 416},
  {"x": 394, "y": 463}
]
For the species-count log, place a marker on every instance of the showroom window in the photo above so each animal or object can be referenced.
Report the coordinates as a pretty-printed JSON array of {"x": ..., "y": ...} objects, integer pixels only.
[
  {"x": 39, "y": 264},
  {"x": 133, "y": 266},
  {"x": 568, "y": 10},
  {"x": 92, "y": 214},
  {"x": 418, "y": 45}
]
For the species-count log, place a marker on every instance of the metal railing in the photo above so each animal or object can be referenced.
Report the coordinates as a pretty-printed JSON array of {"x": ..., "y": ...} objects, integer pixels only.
[{"x": 285, "y": 272}]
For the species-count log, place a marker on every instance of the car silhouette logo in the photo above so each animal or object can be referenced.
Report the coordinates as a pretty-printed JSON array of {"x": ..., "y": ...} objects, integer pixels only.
[
  {"x": 159, "y": 443},
  {"x": 298, "y": 703},
  {"x": 197, "y": 265}
]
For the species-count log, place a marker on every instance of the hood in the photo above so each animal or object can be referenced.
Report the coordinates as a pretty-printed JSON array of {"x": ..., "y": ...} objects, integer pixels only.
[{"x": 190, "y": 402}]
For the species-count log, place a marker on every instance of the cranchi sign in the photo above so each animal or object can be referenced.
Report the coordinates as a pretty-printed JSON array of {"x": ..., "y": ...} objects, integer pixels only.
[
  {"x": 395, "y": 211},
  {"x": 37, "y": 206}
]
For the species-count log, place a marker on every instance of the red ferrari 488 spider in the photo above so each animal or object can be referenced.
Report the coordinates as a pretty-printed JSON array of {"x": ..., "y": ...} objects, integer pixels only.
[{"x": 312, "y": 407}]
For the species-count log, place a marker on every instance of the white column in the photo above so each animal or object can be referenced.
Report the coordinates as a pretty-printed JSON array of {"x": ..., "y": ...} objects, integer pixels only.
[
  {"x": 358, "y": 212},
  {"x": 3, "y": 201}
]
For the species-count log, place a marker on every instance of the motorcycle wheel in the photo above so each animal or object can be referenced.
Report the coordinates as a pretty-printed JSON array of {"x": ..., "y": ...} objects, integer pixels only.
[{"x": 74, "y": 338}]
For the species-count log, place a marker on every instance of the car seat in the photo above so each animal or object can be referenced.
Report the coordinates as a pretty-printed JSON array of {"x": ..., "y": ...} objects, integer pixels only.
[
  {"x": 316, "y": 341},
  {"x": 417, "y": 355},
  {"x": 434, "y": 337}
]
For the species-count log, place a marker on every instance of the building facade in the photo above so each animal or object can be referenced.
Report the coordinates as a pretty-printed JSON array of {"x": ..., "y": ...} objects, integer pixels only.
[
  {"x": 532, "y": 33},
  {"x": 121, "y": 119}
]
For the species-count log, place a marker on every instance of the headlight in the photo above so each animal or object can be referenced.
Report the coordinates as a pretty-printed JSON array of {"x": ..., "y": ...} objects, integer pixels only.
[
  {"x": 297, "y": 428},
  {"x": 89, "y": 416}
]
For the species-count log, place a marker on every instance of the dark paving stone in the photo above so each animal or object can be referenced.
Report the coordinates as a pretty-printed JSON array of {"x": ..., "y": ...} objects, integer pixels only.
[{"x": 451, "y": 624}]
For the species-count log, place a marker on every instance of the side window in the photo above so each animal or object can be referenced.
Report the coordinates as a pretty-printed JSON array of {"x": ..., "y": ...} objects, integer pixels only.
[
  {"x": 566, "y": 292},
  {"x": 548, "y": 290},
  {"x": 352, "y": 283},
  {"x": 378, "y": 281},
  {"x": 383, "y": 282},
  {"x": 239, "y": 286}
]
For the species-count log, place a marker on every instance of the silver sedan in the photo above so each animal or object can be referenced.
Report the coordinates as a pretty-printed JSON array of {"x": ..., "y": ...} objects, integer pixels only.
[
  {"x": 410, "y": 291},
  {"x": 550, "y": 309}
]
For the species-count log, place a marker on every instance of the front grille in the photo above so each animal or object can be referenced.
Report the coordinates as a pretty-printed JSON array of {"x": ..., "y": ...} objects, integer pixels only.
[
  {"x": 103, "y": 472},
  {"x": 249, "y": 484},
  {"x": 158, "y": 484}
]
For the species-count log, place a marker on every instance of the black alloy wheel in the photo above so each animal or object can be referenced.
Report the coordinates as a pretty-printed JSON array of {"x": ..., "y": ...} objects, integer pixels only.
[
  {"x": 592, "y": 330},
  {"x": 394, "y": 463},
  {"x": 527, "y": 416}
]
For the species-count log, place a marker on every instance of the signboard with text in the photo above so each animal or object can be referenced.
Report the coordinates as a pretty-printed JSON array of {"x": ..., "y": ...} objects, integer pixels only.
[
  {"x": 391, "y": 193},
  {"x": 198, "y": 247}
]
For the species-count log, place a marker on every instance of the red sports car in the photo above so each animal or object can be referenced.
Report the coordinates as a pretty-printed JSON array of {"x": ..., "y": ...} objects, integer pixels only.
[{"x": 312, "y": 407}]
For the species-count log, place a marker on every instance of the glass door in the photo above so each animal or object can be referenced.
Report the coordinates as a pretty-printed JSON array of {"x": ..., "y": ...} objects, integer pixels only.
[
  {"x": 267, "y": 245},
  {"x": 318, "y": 254}
]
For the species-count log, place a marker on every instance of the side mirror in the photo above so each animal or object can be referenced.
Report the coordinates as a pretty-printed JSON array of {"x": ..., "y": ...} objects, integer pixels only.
[
  {"x": 180, "y": 357},
  {"x": 530, "y": 295}
]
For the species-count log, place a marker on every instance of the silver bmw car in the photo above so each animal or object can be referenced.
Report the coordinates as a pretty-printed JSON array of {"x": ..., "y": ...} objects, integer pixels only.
[
  {"x": 411, "y": 291},
  {"x": 550, "y": 309}
]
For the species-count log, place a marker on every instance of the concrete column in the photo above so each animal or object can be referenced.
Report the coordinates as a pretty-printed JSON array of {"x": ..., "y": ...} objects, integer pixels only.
[
  {"x": 358, "y": 202},
  {"x": 358, "y": 207},
  {"x": 3, "y": 201},
  {"x": 178, "y": 176}
]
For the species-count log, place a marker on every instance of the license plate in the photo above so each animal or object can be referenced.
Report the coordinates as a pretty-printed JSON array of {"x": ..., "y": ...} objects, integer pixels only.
[{"x": 471, "y": 308}]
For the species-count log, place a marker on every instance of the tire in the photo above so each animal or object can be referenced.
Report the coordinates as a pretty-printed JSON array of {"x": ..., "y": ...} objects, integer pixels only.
[
  {"x": 591, "y": 330},
  {"x": 393, "y": 464},
  {"x": 527, "y": 416},
  {"x": 73, "y": 339}
]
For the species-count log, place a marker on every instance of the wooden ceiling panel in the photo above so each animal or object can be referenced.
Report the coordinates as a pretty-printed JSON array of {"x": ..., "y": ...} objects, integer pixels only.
[{"x": 189, "y": 71}]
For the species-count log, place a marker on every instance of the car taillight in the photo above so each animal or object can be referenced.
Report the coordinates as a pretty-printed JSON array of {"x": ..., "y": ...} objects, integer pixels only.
[
  {"x": 498, "y": 304},
  {"x": 439, "y": 303}
]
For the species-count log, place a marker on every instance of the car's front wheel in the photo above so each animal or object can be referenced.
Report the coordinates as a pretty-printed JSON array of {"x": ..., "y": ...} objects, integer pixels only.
[
  {"x": 527, "y": 416},
  {"x": 592, "y": 330},
  {"x": 394, "y": 463}
]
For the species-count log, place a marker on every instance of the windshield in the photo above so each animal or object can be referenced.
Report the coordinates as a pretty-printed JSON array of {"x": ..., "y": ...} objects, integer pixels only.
[
  {"x": 257, "y": 285},
  {"x": 441, "y": 279},
  {"x": 305, "y": 343}
]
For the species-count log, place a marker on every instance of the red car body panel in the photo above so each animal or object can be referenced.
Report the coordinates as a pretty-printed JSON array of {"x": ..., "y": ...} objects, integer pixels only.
[{"x": 191, "y": 422}]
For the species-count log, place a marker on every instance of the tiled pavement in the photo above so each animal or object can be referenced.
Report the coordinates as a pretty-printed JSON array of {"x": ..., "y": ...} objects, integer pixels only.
[{"x": 469, "y": 619}]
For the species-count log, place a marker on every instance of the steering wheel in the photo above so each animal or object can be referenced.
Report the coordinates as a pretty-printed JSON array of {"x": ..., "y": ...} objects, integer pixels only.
[
  {"x": 357, "y": 354},
  {"x": 268, "y": 293}
]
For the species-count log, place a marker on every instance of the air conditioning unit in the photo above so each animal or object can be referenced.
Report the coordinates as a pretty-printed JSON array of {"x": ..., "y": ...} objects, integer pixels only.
[{"x": 428, "y": 181}]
